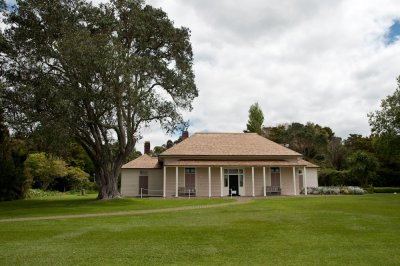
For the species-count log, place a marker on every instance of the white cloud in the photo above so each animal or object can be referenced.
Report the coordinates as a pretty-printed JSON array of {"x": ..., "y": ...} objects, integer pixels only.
[
  {"x": 319, "y": 61},
  {"x": 311, "y": 60}
]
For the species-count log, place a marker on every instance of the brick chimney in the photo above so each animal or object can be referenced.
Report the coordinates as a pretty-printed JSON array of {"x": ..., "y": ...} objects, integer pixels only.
[
  {"x": 185, "y": 135},
  {"x": 147, "y": 147}
]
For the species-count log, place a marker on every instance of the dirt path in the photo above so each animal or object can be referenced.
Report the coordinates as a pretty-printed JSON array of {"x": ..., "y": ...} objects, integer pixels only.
[{"x": 134, "y": 212}]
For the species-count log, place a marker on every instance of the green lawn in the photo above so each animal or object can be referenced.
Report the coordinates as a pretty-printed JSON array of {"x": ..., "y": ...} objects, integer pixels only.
[
  {"x": 326, "y": 230},
  {"x": 72, "y": 204}
]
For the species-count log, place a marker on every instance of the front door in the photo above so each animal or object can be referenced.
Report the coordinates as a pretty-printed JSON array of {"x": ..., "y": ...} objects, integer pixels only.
[
  {"x": 144, "y": 184},
  {"x": 190, "y": 181},
  {"x": 275, "y": 180},
  {"x": 234, "y": 185}
]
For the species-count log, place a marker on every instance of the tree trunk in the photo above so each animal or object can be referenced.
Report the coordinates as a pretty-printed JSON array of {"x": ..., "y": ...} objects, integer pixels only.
[{"x": 107, "y": 183}]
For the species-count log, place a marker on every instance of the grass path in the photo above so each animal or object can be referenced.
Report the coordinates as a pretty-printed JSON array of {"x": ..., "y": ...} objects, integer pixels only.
[
  {"x": 61, "y": 205},
  {"x": 84, "y": 215}
]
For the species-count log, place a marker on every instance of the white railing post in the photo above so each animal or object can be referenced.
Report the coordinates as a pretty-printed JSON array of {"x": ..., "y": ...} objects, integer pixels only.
[
  {"x": 252, "y": 182},
  {"x": 222, "y": 181},
  {"x": 294, "y": 180},
  {"x": 305, "y": 181},
  {"x": 189, "y": 192},
  {"x": 176, "y": 181},
  {"x": 165, "y": 182},
  {"x": 264, "y": 184},
  {"x": 141, "y": 193},
  {"x": 209, "y": 182}
]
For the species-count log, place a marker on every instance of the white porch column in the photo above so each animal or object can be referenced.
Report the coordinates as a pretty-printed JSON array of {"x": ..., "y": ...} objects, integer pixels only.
[
  {"x": 165, "y": 182},
  {"x": 209, "y": 182},
  {"x": 252, "y": 181},
  {"x": 176, "y": 181},
  {"x": 265, "y": 191},
  {"x": 222, "y": 182},
  {"x": 294, "y": 180},
  {"x": 305, "y": 180}
]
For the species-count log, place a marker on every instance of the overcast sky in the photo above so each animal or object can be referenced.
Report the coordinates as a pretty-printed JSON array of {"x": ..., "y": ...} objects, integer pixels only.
[{"x": 328, "y": 62}]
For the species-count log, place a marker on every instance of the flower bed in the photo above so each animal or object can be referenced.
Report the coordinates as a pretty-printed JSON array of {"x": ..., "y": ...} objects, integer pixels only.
[{"x": 350, "y": 190}]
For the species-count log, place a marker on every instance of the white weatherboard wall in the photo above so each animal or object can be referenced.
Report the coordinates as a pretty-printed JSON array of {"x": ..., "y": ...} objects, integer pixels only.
[
  {"x": 130, "y": 181},
  {"x": 287, "y": 180},
  {"x": 312, "y": 177}
]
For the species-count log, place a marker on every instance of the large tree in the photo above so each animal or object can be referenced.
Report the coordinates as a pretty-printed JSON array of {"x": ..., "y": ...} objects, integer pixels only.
[
  {"x": 97, "y": 73},
  {"x": 256, "y": 119}
]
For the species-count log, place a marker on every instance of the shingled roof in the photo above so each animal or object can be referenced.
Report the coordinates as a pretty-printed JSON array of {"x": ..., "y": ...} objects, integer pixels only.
[
  {"x": 231, "y": 144},
  {"x": 143, "y": 162}
]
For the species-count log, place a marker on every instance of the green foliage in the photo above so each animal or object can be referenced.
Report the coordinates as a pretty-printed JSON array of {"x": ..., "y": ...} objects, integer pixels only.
[
  {"x": 387, "y": 120},
  {"x": 43, "y": 169},
  {"x": 386, "y": 189},
  {"x": 97, "y": 74},
  {"x": 256, "y": 119},
  {"x": 336, "y": 153},
  {"x": 331, "y": 177},
  {"x": 310, "y": 140},
  {"x": 362, "y": 166},
  {"x": 157, "y": 150},
  {"x": 50, "y": 172},
  {"x": 78, "y": 179},
  {"x": 356, "y": 142},
  {"x": 40, "y": 194},
  {"x": 77, "y": 157},
  {"x": 135, "y": 154},
  {"x": 13, "y": 183}
]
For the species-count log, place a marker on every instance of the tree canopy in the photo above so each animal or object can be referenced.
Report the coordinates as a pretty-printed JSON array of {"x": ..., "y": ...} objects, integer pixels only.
[
  {"x": 310, "y": 139},
  {"x": 97, "y": 73},
  {"x": 256, "y": 119},
  {"x": 387, "y": 120}
]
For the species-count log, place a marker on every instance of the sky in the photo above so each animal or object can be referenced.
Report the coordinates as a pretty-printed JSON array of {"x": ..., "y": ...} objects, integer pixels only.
[{"x": 328, "y": 62}]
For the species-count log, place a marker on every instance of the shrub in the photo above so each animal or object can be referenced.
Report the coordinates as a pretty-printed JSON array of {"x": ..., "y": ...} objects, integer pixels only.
[
  {"x": 74, "y": 179},
  {"x": 39, "y": 193},
  {"x": 43, "y": 169},
  {"x": 333, "y": 190},
  {"x": 356, "y": 190},
  {"x": 386, "y": 189},
  {"x": 330, "y": 177}
]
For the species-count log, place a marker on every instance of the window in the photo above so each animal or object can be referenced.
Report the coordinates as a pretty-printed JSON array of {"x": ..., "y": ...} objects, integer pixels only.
[
  {"x": 275, "y": 170},
  {"x": 233, "y": 172},
  {"x": 143, "y": 173},
  {"x": 190, "y": 170},
  {"x": 241, "y": 180}
]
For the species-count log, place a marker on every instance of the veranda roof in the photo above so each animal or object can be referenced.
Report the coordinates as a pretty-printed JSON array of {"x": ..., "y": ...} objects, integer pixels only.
[{"x": 249, "y": 163}]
